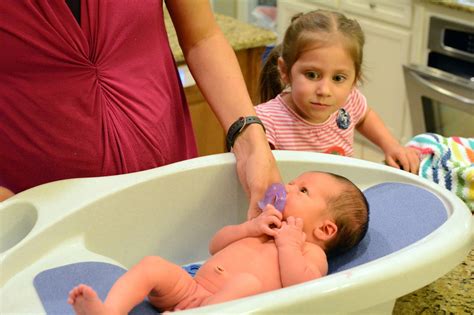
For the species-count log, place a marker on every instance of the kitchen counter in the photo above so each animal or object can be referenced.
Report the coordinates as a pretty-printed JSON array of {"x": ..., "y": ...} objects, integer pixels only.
[
  {"x": 461, "y": 5},
  {"x": 450, "y": 294},
  {"x": 240, "y": 35}
]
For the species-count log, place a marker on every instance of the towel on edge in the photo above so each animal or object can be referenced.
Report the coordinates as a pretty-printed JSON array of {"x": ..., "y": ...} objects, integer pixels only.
[{"x": 448, "y": 161}]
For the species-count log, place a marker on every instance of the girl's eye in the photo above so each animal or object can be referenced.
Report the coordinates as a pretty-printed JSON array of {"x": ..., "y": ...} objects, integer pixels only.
[
  {"x": 304, "y": 190},
  {"x": 311, "y": 75},
  {"x": 339, "y": 78}
]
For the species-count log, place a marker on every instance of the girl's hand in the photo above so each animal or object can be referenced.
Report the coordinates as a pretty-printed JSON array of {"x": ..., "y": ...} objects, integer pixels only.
[
  {"x": 265, "y": 223},
  {"x": 403, "y": 158},
  {"x": 290, "y": 233}
]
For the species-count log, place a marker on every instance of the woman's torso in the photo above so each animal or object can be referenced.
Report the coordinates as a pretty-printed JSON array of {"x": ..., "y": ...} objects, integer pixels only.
[{"x": 100, "y": 98}]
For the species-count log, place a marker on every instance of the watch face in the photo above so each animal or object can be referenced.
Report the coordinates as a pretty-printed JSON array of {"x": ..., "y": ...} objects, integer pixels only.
[{"x": 343, "y": 119}]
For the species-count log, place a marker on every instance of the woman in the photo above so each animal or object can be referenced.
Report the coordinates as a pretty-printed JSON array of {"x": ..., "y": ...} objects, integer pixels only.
[{"x": 90, "y": 88}]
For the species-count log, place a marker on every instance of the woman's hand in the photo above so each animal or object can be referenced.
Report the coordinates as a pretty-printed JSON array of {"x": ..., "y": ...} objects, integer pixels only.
[
  {"x": 290, "y": 233},
  {"x": 256, "y": 166},
  {"x": 265, "y": 223},
  {"x": 403, "y": 158}
]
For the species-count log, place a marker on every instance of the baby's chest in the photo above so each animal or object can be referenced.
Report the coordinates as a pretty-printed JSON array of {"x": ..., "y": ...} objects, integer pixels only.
[{"x": 252, "y": 255}]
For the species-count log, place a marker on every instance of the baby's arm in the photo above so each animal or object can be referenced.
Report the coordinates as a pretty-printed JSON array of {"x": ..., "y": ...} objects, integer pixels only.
[
  {"x": 261, "y": 225},
  {"x": 373, "y": 128},
  {"x": 300, "y": 261}
]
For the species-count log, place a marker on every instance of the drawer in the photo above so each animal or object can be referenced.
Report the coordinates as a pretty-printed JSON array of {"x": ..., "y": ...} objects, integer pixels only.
[{"x": 396, "y": 12}]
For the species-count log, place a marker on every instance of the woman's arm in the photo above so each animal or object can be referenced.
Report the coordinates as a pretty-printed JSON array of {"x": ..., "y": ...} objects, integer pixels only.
[
  {"x": 216, "y": 70},
  {"x": 396, "y": 155},
  {"x": 5, "y": 193}
]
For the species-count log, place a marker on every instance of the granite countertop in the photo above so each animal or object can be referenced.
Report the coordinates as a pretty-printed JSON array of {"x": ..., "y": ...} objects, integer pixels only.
[
  {"x": 239, "y": 34},
  {"x": 461, "y": 5},
  {"x": 450, "y": 294}
]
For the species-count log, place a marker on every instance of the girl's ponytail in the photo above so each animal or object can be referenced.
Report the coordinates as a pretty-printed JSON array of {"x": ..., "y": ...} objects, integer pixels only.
[{"x": 269, "y": 82}]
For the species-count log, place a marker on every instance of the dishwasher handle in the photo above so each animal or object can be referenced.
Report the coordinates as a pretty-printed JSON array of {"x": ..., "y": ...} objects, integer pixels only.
[{"x": 418, "y": 72}]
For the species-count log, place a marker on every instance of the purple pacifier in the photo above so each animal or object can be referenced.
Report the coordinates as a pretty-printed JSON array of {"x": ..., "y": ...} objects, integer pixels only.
[{"x": 275, "y": 195}]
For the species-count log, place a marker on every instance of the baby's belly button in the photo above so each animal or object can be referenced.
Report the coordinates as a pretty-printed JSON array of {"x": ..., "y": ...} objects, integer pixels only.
[{"x": 219, "y": 269}]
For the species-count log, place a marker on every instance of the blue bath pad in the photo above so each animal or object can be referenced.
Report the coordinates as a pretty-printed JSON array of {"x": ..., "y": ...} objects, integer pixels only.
[
  {"x": 53, "y": 285},
  {"x": 400, "y": 214}
]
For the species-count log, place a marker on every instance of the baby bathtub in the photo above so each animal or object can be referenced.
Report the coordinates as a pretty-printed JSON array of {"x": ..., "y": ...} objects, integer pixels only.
[{"x": 174, "y": 210}]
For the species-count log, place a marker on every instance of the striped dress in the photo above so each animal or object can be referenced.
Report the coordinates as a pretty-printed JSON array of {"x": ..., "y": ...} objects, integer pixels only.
[{"x": 286, "y": 130}]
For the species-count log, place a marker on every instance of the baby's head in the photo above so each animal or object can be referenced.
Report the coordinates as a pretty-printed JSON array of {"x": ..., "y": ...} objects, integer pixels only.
[{"x": 335, "y": 212}]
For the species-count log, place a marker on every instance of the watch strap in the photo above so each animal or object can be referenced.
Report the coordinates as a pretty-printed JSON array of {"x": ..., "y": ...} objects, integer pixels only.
[{"x": 238, "y": 127}]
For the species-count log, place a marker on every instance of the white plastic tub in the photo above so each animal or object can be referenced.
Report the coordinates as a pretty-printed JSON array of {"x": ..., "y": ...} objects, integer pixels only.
[{"x": 174, "y": 210}]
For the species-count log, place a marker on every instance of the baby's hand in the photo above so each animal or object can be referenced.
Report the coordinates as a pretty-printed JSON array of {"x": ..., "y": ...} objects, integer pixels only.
[
  {"x": 404, "y": 158},
  {"x": 290, "y": 233},
  {"x": 265, "y": 222}
]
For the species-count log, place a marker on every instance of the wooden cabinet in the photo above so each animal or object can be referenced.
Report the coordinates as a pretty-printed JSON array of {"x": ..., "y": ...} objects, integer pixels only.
[
  {"x": 210, "y": 137},
  {"x": 208, "y": 132}
]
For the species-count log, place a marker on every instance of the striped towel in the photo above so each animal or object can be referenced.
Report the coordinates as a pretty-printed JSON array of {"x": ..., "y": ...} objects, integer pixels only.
[{"x": 448, "y": 161}]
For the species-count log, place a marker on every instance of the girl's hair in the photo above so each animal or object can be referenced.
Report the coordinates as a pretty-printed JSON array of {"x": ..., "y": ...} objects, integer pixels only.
[
  {"x": 300, "y": 36},
  {"x": 351, "y": 215}
]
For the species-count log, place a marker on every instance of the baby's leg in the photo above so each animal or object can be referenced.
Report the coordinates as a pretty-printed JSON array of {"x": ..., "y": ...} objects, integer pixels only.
[
  {"x": 238, "y": 286},
  {"x": 165, "y": 283},
  {"x": 152, "y": 275},
  {"x": 84, "y": 300}
]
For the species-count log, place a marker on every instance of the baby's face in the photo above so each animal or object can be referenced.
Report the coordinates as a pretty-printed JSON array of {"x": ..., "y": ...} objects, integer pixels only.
[{"x": 308, "y": 196}]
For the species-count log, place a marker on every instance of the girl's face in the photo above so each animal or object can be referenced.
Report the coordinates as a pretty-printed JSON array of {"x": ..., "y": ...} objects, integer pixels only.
[{"x": 321, "y": 80}]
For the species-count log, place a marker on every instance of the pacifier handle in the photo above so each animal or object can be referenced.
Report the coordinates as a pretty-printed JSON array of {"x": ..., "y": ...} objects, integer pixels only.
[{"x": 275, "y": 195}]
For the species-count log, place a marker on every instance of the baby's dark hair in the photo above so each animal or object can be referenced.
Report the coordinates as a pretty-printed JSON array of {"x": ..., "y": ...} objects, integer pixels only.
[
  {"x": 302, "y": 34},
  {"x": 351, "y": 215}
]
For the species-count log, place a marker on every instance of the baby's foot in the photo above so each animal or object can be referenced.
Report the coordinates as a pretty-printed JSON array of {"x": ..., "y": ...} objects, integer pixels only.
[{"x": 85, "y": 301}]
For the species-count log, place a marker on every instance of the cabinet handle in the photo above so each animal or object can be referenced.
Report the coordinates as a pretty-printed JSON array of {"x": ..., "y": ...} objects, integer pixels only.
[{"x": 372, "y": 5}]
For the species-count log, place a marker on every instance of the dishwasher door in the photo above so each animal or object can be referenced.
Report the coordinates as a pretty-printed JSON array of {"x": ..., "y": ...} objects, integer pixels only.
[{"x": 439, "y": 102}]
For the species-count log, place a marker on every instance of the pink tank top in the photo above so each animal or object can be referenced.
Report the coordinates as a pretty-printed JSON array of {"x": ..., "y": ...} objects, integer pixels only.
[{"x": 100, "y": 98}]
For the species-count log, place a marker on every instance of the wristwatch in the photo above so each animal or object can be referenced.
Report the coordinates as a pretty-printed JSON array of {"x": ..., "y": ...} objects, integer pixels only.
[{"x": 238, "y": 127}]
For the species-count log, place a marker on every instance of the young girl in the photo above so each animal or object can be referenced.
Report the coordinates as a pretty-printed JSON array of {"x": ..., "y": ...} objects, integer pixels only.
[{"x": 309, "y": 85}]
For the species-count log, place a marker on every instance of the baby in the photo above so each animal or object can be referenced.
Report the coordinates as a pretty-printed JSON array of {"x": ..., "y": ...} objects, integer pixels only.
[{"x": 324, "y": 214}]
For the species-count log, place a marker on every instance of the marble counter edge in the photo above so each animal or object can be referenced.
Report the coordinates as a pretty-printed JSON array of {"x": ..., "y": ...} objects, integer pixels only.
[
  {"x": 453, "y": 4},
  {"x": 239, "y": 34}
]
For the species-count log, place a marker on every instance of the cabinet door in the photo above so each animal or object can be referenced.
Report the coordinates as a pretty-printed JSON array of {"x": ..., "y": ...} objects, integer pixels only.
[
  {"x": 287, "y": 9},
  {"x": 386, "y": 50},
  {"x": 210, "y": 138}
]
